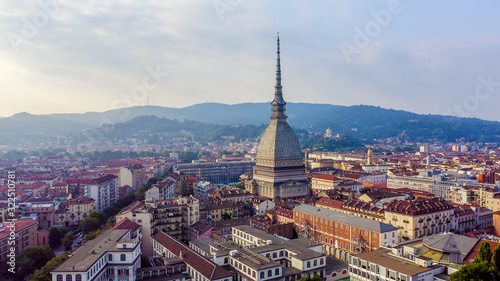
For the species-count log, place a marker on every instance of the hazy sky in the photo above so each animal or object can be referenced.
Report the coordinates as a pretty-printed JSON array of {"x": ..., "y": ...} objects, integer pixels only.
[{"x": 439, "y": 57}]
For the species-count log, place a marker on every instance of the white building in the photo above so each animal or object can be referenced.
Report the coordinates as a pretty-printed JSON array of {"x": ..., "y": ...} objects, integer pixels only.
[
  {"x": 103, "y": 190},
  {"x": 113, "y": 255},
  {"x": 382, "y": 264},
  {"x": 203, "y": 187}
]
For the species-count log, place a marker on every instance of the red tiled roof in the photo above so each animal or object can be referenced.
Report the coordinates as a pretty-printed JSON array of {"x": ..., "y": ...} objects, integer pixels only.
[
  {"x": 126, "y": 224},
  {"x": 206, "y": 267},
  {"x": 330, "y": 203},
  {"x": 103, "y": 179},
  {"x": 474, "y": 252},
  {"x": 20, "y": 224},
  {"x": 284, "y": 213},
  {"x": 418, "y": 206}
]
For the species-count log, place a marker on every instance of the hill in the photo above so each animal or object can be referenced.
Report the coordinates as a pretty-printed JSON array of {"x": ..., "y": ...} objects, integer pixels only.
[{"x": 361, "y": 121}]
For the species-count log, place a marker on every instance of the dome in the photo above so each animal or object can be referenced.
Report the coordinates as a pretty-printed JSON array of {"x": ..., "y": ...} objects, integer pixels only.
[{"x": 279, "y": 142}]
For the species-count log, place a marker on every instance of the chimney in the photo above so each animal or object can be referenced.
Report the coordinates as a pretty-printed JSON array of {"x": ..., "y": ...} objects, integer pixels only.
[{"x": 180, "y": 255}]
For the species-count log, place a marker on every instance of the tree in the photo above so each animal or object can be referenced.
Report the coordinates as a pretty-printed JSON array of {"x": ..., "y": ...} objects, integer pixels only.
[
  {"x": 68, "y": 240},
  {"x": 240, "y": 186},
  {"x": 89, "y": 224},
  {"x": 226, "y": 216},
  {"x": 92, "y": 235},
  {"x": 484, "y": 253},
  {"x": 32, "y": 258},
  {"x": 496, "y": 257},
  {"x": 100, "y": 216},
  {"x": 44, "y": 273},
  {"x": 55, "y": 236},
  {"x": 480, "y": 271}
]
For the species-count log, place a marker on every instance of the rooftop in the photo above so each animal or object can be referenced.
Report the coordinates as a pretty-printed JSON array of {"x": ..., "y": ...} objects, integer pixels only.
[
  {"x": 385, "y": 258},
  {"x": 346, "y": 218},
  {"x": 88, "y": 254}
]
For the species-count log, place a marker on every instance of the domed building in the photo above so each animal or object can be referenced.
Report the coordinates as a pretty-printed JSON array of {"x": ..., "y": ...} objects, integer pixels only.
[{"x": 279, "y": 171}]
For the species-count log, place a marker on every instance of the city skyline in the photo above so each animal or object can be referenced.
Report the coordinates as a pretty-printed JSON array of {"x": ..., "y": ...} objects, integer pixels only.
[{"x": 65, "y": 57}]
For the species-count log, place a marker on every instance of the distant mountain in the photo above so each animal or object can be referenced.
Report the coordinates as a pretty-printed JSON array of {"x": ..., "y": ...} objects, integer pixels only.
[
  {"x": 214, "y": 113},
  {"x": 35, "y": 128},
  {"x": 361, "y": 121}
]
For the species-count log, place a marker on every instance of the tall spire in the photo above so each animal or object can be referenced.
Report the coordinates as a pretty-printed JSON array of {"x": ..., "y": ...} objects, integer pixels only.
[{"x": 278, "y": 104}]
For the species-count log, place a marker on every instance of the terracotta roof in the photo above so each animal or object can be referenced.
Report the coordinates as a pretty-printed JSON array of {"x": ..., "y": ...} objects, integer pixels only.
[
  {"x": 206, "y": 267},
  {"x": 330, "y": 203},
  {"x": 200, "y": 227},
  {"x": 20, "y": 224},
  {"x": 126, "y": 224},
  {"x": 284, "y": 213},
  {"x": 103, "y": 179},
  {"x": 418, "y": 206}
]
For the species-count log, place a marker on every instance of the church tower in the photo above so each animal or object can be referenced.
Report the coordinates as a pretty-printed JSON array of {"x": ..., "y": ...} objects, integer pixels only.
[{"x": 279, "y": 171}]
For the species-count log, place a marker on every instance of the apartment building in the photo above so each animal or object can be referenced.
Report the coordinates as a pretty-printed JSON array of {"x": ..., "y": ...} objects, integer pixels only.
[
  {"x": 141, "y": 214},
  {"x": 113, "y": 255},
  {"x": 198, "y": 266},
  {"x": 255, "y": 255},
  {"x": 420, "y": 217},
  {"x": 25, "y": 235},
  {"x": 72, "y": 212},
  {"x": 384, "y": 265},
  {"x": 132, "y": 175},
  {"x": 44, "y": 213},
  {"x": 174, "y": 216},
  {"x": 342, "y": 234},
  {"x": 104, "y": 190}
]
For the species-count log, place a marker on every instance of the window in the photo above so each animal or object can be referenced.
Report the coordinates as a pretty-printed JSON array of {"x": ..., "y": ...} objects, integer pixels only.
[
  {"x": 253, "y": 274},
  {"x": 226, "y": 260},
  {"x": 281, "y": 253},
  {"x": 69, "y": 277},
  {"x": 110, "y": 257},
  {"x": 277, "y": 271},
  {"x": 308, "y": 264},
  {"x": 59, "y": 277},
  {"x": 321, "y": 262},
  {"x": 315, "y": 263},
  {"x": 262, "y": 274},
  {"x": 269, "y": 273},
  {"x": 123, "y": 257},
  {"x": 275, "y": 255},
  {"x": 78, "y": 277}
]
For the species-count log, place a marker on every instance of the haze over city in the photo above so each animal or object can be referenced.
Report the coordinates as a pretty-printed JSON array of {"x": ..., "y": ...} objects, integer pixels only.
[{"x": 71, "y": 56}]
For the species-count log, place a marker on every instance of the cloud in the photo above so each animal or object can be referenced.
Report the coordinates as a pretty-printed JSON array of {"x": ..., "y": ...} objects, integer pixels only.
[{"x": 91, "y": 53}]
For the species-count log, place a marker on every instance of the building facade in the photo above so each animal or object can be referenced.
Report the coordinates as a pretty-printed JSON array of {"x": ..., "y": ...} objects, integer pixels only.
[
  {"x": 342, "y": 234},
  {"x": 113, "y": 255},
  {"x": 104, "y": 190}
]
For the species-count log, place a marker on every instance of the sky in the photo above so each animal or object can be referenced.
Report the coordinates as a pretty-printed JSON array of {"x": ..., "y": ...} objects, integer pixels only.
[{"x": 428, "y": 57}]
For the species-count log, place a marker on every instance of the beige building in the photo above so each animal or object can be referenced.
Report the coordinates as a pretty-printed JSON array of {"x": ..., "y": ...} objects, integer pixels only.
[
  {"x": 173, "y": 216},
  {"x": 71, "y": 213},
  {"x": 141, "y": 214},
  {"x": 420, "y": 217}
]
